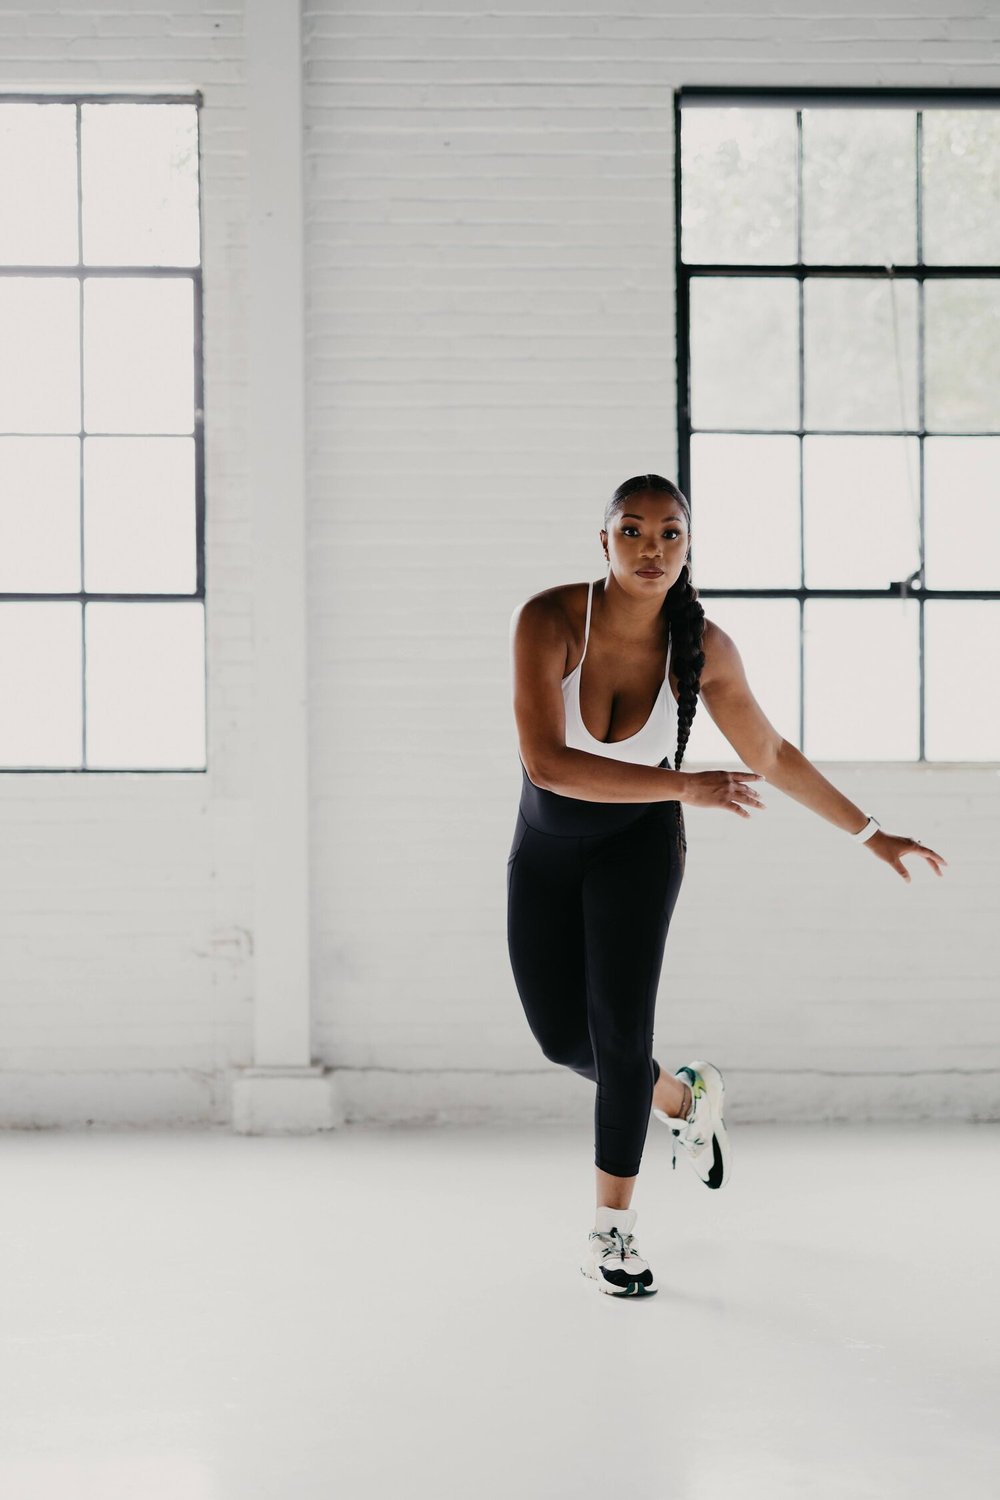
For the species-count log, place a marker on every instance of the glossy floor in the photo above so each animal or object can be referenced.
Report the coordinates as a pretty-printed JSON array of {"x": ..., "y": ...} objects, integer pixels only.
[{"x": 400, "y": 1313}]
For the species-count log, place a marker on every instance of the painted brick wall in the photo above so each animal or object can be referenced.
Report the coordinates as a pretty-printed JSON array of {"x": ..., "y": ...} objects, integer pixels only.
[
  {"x": 490, "y": 351},
  {"x": 126, "y": 911}
]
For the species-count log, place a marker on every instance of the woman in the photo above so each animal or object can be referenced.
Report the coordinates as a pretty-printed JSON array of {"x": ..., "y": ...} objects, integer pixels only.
[{"x": 599, "y": 847}]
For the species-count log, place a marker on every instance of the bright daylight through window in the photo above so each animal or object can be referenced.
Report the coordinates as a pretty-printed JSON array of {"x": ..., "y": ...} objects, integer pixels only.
[
  {"x": 838, "y": 290},
  {"x": 102, "y": 592}
]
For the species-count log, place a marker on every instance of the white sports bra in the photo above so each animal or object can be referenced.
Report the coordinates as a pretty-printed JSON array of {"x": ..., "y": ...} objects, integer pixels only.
[{"x": 657, "y": 738}]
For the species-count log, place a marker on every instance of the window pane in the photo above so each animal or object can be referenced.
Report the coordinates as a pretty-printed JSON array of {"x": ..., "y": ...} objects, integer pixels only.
[
  {"x": 962, "y": 512},
  {"x": 39, "y": 354},
  {"x": 140, "y": 184},
  {"x": 146, "y": 685},
  {"x": 743, "y": 159},
  {"x": 138, "y": 354},
  {"x": 139, "y": 515},
  {"x": 961, "y": 186},
  {"x": 40, "y": 676},
  {"x": 766, "y": 634},
  {"x": 38, "y": 184},
  {"x": 961, "y": 646},
  {"x": 39, "y": 515},
  {"x": 859, "y": 186},
  {"x": 861, "y": 679},
  {"x": 744, "y": 351},
  {"x": 862, "y": 510},
  {"x": 963, "y": 355},
  {"x": 860, "y": 353},
  {"x": 745, "y": 511}
]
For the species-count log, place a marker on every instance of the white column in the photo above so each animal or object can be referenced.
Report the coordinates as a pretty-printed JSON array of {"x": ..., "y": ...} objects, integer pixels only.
[{"x": 282, "y": 1091}]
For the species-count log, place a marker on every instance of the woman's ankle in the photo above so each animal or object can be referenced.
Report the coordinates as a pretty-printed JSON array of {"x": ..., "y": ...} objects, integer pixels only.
[{"x": 678, "y": 1098}]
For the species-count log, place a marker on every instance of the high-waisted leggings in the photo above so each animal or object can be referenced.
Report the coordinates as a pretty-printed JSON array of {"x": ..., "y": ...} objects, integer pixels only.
[{"x": 588, "y": 908}]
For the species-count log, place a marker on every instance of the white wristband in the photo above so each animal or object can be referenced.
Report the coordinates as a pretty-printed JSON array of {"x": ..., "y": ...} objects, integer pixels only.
[{"x": 864, "y": 834}]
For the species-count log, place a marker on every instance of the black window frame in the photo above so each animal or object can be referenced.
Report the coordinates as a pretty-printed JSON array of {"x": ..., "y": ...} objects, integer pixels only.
[
  {"x": 82, "y": 271},
  {"x": 840, "y": 96}
]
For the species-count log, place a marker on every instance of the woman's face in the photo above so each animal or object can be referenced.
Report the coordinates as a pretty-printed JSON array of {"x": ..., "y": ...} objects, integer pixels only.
[{"x": 650, "y": 532}]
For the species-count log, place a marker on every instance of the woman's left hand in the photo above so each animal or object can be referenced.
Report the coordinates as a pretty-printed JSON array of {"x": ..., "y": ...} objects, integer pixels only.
[{"x": 891, "y": 848}]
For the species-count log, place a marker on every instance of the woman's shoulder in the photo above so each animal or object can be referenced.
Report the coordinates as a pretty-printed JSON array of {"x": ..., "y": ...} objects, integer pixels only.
[
  {"x": 562, "y": 601},
  {"x": 553, "y": 619}
]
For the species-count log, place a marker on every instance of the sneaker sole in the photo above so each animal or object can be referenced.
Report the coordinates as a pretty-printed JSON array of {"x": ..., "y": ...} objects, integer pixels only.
[
  {"x": 717, "y": 1094},
  {"x": 631, "y": 1288}
]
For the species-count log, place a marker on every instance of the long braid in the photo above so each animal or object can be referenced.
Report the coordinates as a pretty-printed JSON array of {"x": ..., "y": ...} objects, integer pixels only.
[
  {"x": 687, "y": 621},
  {"x": 685, "y": 612}
]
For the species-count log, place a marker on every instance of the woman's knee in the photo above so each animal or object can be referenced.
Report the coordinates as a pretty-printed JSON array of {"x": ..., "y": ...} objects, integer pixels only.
[{"x": 568, "y": 1052}]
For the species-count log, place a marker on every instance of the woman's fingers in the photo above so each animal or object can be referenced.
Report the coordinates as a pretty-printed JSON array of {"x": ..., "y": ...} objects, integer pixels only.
[
  {"x": 747, "y": 794},
  {"x": 724, "y": 789},
  {"x": 933, "y": 859},
  {"x": 894, "y": 847}
]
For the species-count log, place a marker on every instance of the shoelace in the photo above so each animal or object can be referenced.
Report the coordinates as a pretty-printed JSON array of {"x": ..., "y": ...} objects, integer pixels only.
[{"x": 609, "y": 1236}]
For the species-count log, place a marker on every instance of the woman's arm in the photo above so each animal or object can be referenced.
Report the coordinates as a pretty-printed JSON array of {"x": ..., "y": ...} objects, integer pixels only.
[
  {"x": 799, "y": 779},
  {"x": 734, "y": 709}
]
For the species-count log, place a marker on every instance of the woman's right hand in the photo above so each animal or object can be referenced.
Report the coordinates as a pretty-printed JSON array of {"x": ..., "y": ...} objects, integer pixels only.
[{"x": 721, "y": 789}]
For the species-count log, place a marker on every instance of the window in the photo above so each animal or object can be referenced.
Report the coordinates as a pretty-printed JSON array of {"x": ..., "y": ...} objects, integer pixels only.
[
  {"x": 838, "y": 316},
  {"x": 102, "y": 574}
]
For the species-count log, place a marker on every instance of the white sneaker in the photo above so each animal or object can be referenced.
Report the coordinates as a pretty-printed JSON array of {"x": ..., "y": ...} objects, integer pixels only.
[
  {"x": 703, "y": 1132},
  {"x": 612, "y": 1257}
]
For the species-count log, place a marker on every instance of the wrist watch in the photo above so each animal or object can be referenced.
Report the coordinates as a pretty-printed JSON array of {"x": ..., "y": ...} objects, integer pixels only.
[{"x": 864, "y": 834}]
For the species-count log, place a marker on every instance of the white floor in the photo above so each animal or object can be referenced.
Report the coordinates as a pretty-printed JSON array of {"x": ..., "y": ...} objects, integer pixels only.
[{"x": 399, "y": 1313}]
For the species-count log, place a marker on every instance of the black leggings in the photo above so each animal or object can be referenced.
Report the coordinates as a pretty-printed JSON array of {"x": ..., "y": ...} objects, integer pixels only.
[{"x": 587, "y": 919}]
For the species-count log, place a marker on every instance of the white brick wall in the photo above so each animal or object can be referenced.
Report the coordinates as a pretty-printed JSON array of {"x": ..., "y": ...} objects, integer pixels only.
[
  {"x": 127, "y": 908},
  {"x": 490, "y": 352}
]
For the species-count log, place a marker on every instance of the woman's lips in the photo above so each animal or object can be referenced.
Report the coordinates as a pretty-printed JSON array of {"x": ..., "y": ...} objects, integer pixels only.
[{"x": 649, "y": 572}]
